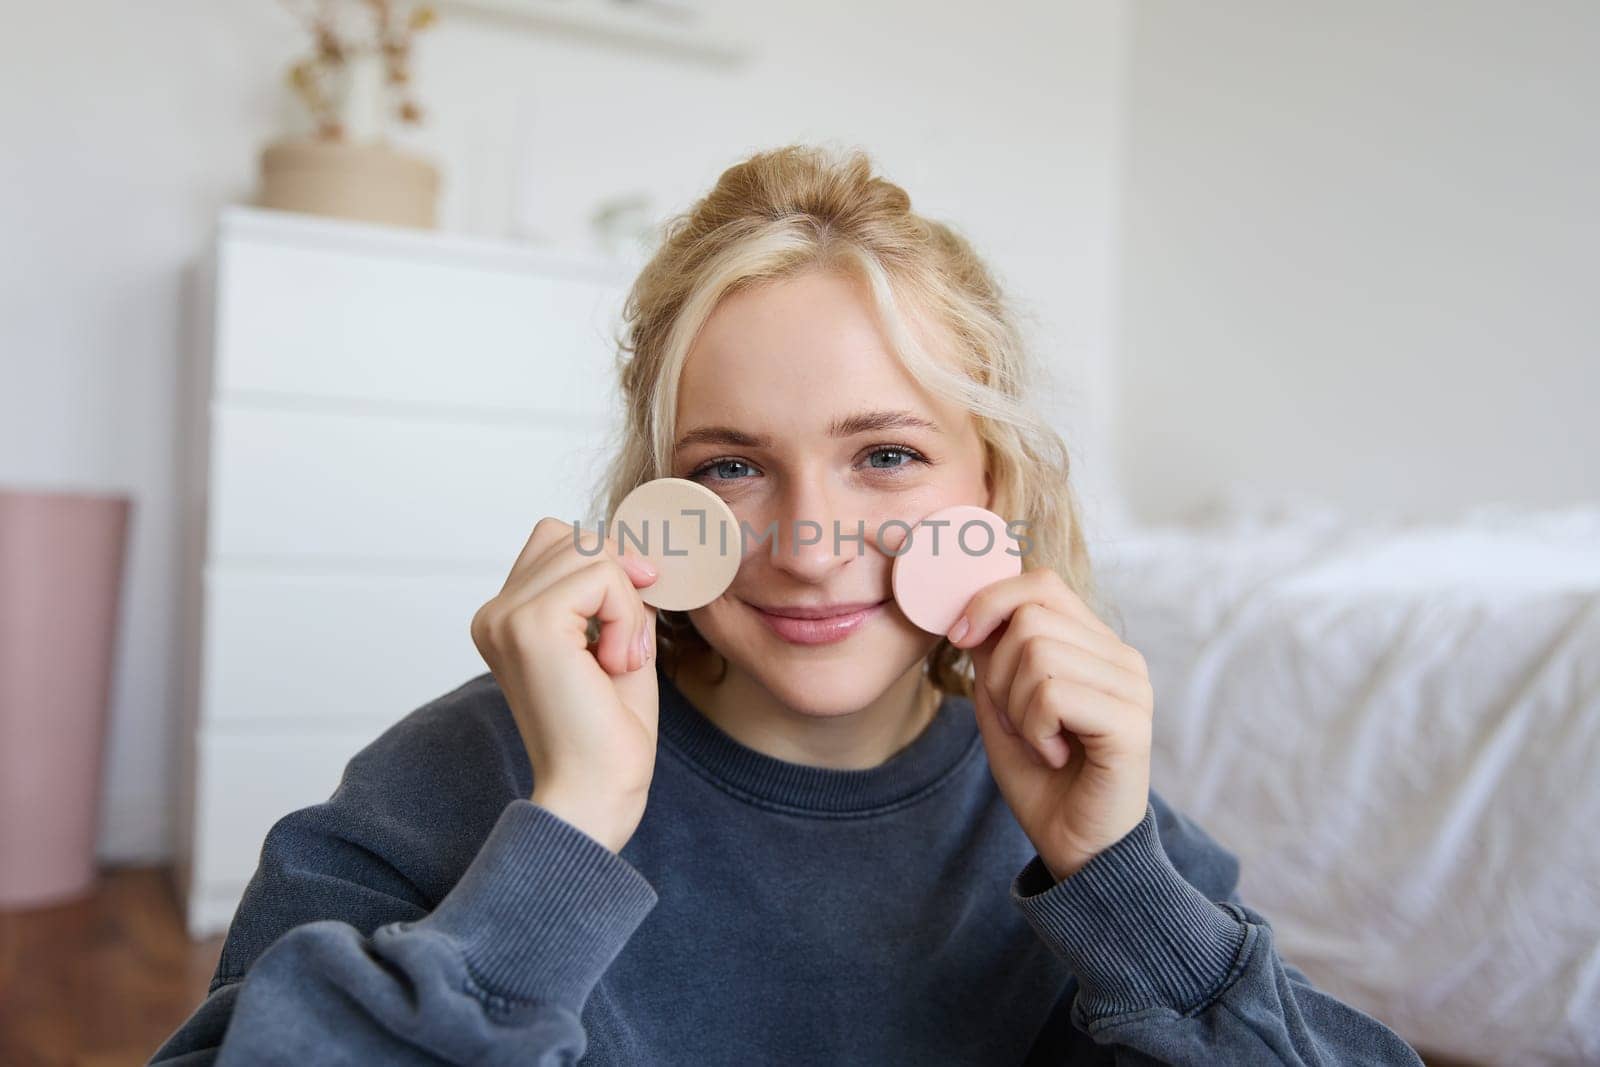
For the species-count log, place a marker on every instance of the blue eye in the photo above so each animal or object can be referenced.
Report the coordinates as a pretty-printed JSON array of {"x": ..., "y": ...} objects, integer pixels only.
[
  {"x": 721, "y": 466},
  {"x": 911, "y": 456},
  {"x": 873, "y": 458},
  {"x": 881, "y": 458}
]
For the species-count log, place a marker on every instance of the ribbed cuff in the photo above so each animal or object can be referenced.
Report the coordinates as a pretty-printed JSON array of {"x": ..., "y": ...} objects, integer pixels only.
[
  {"x": 1134, "y": 931},
  {"x": 543, "y": 909}
]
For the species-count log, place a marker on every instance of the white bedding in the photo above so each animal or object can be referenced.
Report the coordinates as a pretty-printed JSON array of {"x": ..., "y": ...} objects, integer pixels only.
[{"x": 1396, "y": 727}]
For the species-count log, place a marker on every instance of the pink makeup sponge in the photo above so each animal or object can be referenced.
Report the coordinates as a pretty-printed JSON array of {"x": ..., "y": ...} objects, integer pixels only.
[{"x": 939, "y": 568}]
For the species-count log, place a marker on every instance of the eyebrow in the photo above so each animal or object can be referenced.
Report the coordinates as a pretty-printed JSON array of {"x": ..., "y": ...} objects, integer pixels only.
[{"x": 848, "y": 426}]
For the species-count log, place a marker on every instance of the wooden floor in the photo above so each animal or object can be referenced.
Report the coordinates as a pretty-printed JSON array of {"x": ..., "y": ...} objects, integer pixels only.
[{"x": 101, "y": 982}]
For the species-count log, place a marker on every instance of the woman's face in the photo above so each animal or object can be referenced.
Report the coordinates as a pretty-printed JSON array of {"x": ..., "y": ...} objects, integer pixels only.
[{"x": 794, "y": 410}]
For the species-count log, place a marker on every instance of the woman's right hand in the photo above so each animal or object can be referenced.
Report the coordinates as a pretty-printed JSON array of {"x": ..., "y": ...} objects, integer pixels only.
[{"x": 587, "y": 713}]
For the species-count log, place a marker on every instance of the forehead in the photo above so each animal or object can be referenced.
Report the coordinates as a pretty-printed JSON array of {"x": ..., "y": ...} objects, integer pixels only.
[{"x": 797, "y": 352}]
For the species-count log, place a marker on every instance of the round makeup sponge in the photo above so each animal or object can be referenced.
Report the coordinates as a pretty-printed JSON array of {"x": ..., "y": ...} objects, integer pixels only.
[
  {"x": 688, "y": 533},
  {"x": 939, "y": 568}
]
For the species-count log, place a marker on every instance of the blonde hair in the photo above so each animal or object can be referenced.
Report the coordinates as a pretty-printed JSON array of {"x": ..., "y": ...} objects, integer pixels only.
[{"x": 799, "y": 208}]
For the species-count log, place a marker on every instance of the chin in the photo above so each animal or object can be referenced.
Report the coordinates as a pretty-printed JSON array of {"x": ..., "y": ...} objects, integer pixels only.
[{"x": 825, "y": 693}]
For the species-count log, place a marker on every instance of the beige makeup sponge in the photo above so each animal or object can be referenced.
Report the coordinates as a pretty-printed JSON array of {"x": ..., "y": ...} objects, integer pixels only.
[{"x": 688, "y": 533}]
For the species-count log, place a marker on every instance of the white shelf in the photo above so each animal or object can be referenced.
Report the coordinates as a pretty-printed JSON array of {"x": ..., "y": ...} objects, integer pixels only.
[
  {"x": 671, "y": 28},
  {"x": 291, "y": 227}
]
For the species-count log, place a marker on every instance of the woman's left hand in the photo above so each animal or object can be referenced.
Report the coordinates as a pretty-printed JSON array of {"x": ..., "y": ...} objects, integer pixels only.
[{"x": 1064, "y": 708}]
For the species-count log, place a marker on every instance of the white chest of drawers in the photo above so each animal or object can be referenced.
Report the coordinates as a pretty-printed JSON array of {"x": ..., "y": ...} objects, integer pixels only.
[{"x": 377, "y": 419}]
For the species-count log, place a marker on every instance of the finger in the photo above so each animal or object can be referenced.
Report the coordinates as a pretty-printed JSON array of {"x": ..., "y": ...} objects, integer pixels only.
[
  {"x": 547, "y": 532},
  {"x": 999, "y": 735},
  {"x": 649, "y": 632},
  {"x": 599, "y": 590},
  {"x": 991, "y": 721},
  {"x": 1043, "y": 658},
  {"x": 584, "y": 549},
  {"x": 995, "y": 603},
  {"x": 589, "y": 544},
  {"x": 1101, "y": 723},
  {"x": 1041, "y": 585},
  {"x": 1035, "y": 630},
  {"x": 558, "y": 549},
  {"x": 643, "y": 638},
  {"x": 551, "y": 537}
]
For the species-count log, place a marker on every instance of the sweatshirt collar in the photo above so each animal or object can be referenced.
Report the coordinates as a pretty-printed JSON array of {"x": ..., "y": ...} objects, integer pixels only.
[{"x": 919, "y": 767}]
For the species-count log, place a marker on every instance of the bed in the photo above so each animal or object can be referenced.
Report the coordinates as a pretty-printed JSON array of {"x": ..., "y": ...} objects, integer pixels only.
[{"x": 1396, "y": 726}]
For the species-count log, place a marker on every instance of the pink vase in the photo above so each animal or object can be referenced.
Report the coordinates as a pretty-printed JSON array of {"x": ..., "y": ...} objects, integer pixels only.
[{"x": 61, "y": 565}]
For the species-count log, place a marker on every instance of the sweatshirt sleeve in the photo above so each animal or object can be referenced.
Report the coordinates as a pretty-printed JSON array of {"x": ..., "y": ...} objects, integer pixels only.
[
  {"x": 498, "y": 972},
  {"x": 1168, "y": 975}
]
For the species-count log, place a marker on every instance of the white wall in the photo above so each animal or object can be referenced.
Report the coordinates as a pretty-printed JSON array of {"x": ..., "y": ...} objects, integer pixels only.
[
  {"x": 125, "y": 126},
  {"x": 1359, "y": 258}
]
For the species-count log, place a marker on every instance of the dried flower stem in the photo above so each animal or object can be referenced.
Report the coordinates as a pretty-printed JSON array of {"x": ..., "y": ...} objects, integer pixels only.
[{"x": 382, "y": 32}]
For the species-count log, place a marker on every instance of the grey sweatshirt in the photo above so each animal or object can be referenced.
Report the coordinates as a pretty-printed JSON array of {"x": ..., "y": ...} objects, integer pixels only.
[{"x": 763, "y": 912}]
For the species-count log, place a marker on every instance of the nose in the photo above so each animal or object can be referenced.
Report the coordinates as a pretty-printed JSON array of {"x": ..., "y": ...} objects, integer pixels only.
[{"x": 805, "y": 545}]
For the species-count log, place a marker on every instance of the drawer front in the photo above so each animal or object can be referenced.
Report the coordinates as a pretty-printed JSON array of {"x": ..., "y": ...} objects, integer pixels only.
[
  {"x": 246, "y": 781},
  {"x": 371, "y": 490},
  {"x": 303, "y": 652},
  {"x": 341, "y": 324}
]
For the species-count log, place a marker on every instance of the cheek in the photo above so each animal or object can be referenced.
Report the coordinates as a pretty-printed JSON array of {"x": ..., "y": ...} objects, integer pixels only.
[
  {"x": 911, "y": 508},
  {"x": 908, "y": 508},
  {"x": 718, "y": 621}
]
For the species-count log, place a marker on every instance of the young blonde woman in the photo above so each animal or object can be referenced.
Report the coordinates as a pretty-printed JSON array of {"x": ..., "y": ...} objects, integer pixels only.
[{"x": 789, "y": 826}]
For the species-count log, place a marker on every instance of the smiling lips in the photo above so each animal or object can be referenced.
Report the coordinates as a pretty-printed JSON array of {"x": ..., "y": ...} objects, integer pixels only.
[{"x": 819, "y": 625}]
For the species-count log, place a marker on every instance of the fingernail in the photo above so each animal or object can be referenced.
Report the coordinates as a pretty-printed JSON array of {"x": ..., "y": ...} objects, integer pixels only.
[
  {"x": 644, "y": 647},
  {"x": 959, "y": 630},
  {"x": 637, "y": 564}
]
